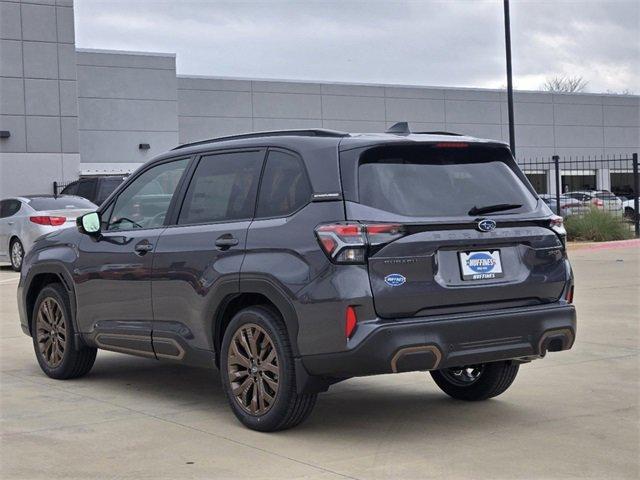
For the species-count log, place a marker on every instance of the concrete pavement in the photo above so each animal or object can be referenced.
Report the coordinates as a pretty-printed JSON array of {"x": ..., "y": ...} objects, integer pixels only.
[{"x": 572, "y": 414}]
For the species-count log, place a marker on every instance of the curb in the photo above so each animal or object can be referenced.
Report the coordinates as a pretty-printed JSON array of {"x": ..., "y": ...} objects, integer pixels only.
[{"x": 604, "y": 245}]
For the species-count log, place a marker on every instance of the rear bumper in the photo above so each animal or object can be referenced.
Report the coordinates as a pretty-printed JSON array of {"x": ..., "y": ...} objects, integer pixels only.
[{"x": 431, "y": 343}]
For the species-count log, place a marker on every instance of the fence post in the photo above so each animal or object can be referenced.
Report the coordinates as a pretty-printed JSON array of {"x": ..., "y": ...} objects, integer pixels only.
[
  {"x": 55, "y": 188},
  {"x": 556, "y": 162},
  {"x": 636, "y": 194}
]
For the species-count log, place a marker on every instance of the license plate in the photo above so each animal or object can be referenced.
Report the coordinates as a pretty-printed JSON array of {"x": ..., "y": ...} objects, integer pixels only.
[{"x": 481, "y": 265}]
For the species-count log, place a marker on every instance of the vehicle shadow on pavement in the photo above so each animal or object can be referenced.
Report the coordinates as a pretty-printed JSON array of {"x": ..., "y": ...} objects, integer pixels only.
[{"x": 352, "y": 408}]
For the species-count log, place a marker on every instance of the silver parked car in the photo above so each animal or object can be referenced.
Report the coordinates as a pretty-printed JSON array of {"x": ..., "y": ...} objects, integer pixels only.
[
  {"x": 568, "y": 205},
  {"x": 600, "y": 199},
  {"x": 23, "y": 219}
]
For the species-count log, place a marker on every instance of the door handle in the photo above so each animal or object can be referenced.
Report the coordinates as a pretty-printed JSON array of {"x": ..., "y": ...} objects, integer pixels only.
[
  {"x": 10, "y": 223},
  {"x": 143, "y": 247},
  {"x": 226, "y": 241}
]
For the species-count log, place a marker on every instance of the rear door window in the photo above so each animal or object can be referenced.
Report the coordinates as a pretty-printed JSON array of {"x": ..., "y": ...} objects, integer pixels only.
[
  {"x": 8, "y": 208},
  {"x": 285, "y": 187},
  {"x": 223, "y": 188},
  {"x": 425, "y": 181},
  {"x": 86, "y": 188}
]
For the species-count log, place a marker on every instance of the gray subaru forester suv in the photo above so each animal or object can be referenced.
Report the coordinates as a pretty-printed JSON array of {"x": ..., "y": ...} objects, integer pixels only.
[{"x": 293, "y": 260}]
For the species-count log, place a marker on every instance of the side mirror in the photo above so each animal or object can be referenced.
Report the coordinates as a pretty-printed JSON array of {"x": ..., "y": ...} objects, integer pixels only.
[{"x": 89, "y": 223}]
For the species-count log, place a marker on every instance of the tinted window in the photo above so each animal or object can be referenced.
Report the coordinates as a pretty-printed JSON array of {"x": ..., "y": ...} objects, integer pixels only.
[
  {"x": 106, "y": 187},
  {"x": 70, "y": 189},
  {"x": 284, "y": 188},
  {"x": 13, "y": 206},
  {"x": 9, "y": 208},
  {"x": 139, "y": 206},
  {"x": 425, "y": 181},
  {"x": 86, "y": 188},
  {"x": 605, "y": 196},
  {"x": 579, "y": 196},
  {"x": 223, "y": 188},
  {"x": 59, "y": 203}
]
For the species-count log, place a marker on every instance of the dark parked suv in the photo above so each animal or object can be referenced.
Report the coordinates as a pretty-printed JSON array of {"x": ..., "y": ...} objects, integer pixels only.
[
  {"x": 293, "y": 260},
  {"x": 95, "y": 189}
]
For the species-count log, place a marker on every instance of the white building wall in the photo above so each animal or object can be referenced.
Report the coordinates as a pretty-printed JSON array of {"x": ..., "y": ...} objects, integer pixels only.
[
  {"x": 38, "y": 100},
  {"x": 546, "y": 123},
  {"x": 125, "y": 100}
]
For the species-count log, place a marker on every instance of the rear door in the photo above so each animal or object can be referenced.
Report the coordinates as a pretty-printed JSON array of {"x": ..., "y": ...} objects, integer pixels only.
[
  {"x": 197, "y": 260},
  {"x": 469, "y": 233}
]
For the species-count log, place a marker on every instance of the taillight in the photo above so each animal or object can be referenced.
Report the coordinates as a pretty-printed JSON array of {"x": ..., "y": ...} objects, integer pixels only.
[
  {"x": 569, "y": 297},
  {"x": 452, "y": 145},
  {"x": 381, "y": 233},
  {"x": 350, "y": 321},
  {"x": 349, "y": 242},
  {"x": 598, "y": 203},
  {"x": 46, "y": 220},
  {"x": 343, "y": 242}
]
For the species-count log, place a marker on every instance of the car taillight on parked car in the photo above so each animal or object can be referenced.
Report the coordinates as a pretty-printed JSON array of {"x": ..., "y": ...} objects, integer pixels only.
[
  {"x": 570, "y": 205},
  {"x": 350, "y": 242},
  {"x": 556, "y": 223},
  {"x": 597, "y": 202},
  {"x": 46, "y": 220}
]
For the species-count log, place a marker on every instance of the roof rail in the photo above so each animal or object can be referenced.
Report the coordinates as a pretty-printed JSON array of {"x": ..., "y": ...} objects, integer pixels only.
[
  {"x": 441, "y": 133},
  {"x": 313, "y": 132}
]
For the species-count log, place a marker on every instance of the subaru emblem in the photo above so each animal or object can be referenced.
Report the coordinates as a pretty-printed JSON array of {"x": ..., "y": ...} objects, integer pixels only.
[{"x": 486, "y": 225}]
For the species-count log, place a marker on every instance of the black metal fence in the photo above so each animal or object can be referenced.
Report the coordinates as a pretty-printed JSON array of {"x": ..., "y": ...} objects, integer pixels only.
[
  {"x": 572, "y": 185},
  {"x": 59, "y": 186}
]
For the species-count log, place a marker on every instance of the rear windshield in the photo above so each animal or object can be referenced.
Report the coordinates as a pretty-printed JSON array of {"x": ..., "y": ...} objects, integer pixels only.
[
  {"x": 425, "y": 181},
  {"x": 605, "y": 196},
  {"x": 60, "y": 203},
  {"x": 107, "y": 186}
]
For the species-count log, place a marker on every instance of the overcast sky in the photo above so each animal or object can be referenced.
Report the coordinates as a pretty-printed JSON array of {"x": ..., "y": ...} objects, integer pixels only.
[{"x": 421, "y": 42}]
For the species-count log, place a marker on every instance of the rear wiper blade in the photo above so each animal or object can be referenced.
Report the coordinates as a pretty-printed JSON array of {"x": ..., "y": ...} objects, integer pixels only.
[{"x": 493, "y": 208}]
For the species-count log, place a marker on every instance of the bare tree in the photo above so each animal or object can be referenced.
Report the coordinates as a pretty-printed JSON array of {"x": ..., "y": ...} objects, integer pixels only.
[{"x": 565, "y": 84}]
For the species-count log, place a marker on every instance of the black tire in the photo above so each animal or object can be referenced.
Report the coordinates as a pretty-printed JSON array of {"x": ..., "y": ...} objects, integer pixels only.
[
  {"x": 628, "y": 213},
  {"x": 494, "y": 379},
  {"x": 17, "y": 256},
  {"x": 71, "y": 362},
  {"x": 288, "y": 408}
]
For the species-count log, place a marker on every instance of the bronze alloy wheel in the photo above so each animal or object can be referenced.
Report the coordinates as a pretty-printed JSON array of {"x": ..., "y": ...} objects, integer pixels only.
[
  {"x": 51, "y": 332},
  {"x": 253, "y": 368}
]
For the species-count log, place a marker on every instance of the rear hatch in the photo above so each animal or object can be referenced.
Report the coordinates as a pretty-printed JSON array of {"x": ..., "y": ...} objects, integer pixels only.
[{"x": 469, "y": 233}]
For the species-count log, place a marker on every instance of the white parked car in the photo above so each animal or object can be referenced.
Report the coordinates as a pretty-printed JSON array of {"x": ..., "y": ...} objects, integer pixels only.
[
  {"x": 568, "y": 205},
  {"x": 600, "y": 199},
  {"x": 23, "y": 219}
]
